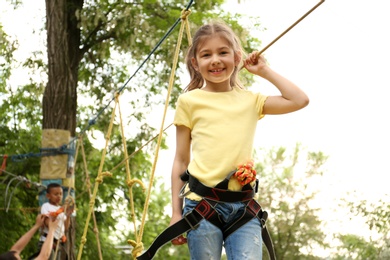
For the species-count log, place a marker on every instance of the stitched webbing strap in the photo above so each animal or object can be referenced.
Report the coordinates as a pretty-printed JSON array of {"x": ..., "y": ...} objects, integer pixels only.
[
  {"x": 253, "y": 209},
  {"x": 219, "y": 192},
  {"x": 190, "y": 221}
]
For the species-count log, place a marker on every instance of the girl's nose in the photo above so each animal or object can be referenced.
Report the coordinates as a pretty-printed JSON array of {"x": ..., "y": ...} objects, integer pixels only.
[{"x": 215, "y": 60}]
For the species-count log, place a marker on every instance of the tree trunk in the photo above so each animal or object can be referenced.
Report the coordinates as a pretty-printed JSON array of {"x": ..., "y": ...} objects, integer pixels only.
[
  {"x": 63, "y": 40},
  {"x": 59, "y": 102}
]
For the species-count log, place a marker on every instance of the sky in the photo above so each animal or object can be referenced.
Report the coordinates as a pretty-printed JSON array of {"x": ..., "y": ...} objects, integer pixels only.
[{"x": 339, "y": 55}]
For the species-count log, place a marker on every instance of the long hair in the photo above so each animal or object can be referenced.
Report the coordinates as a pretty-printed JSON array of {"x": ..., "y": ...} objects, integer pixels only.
[{"x": 206, "y": 31}]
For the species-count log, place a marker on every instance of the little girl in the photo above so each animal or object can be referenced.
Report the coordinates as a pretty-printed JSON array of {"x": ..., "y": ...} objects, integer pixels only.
[{"x": 215, "y": 123}]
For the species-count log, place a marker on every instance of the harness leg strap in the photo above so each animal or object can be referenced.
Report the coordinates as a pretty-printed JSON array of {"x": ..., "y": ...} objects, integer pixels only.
[
  {"x": 268, "y": 243},
  {"x": 203, "y": 210},
  {"x": 252, "y": 210}
]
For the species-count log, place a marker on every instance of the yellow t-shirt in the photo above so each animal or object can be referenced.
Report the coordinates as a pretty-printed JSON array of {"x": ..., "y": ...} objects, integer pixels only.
[{"x": 223, "y": 126}]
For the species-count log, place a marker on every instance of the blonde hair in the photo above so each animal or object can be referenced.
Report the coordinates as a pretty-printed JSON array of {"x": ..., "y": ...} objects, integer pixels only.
[{"x": 206, "y": 31}]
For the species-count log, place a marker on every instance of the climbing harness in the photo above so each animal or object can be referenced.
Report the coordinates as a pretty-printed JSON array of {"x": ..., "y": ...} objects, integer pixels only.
[{"x": 205, "y": 209}]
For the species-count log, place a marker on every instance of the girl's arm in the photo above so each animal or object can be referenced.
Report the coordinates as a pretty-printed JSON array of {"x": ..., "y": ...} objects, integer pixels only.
[
  {"x": 292, "y": 98},
  {"x": 180, "y": 163}
]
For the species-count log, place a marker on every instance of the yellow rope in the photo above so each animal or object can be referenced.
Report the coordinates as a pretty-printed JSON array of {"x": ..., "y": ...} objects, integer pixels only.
[
  {"x": 88, "y": 184},
  {"x": 98, "y": 181},
  {"x": 136, "y": 151},
  {"x": 130, "y": 182},
  {"x": 138, "y": 247},
  {"x": 184, "y": 16}
]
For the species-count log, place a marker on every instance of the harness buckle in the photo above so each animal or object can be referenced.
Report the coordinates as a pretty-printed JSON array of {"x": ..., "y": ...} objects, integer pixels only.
[
  {"x": 256, "y": 188},
  {"x": 182, "y": 192},
  {"x": 191, "y": 220},
  {"x": 263, "y": 218}
]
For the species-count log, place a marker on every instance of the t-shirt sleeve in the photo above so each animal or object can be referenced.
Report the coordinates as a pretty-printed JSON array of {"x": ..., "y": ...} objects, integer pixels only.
[
  {"x": 260, "y": 101},
  {"x": 44, "y": 209},
  {"x": 182, "y": 114}
]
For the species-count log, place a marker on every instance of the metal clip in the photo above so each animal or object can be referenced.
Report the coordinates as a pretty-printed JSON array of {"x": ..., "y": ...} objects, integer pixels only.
[{"x": 182, "y": 192}]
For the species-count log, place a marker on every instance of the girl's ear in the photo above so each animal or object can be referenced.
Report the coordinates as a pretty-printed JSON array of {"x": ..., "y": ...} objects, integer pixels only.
[
  {"x": 194, "y": 63},
  {"x": 237, "y": 57}
]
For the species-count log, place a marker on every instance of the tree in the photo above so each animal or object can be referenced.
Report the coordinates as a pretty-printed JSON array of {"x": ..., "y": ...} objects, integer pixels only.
[
  {"x": 377, "y": 245},
  {"x": 19, "y": 121},
  {"x": 285, "y": 192}
]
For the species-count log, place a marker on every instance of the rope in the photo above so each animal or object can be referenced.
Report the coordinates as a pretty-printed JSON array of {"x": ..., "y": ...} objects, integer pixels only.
[
  {"x": 98, "y": 181},
  {"x": 289, "y": 28},
  {"x": 130, "y": 182},
  {"x": 138, "y": 247},
  {"x": 44, "y": 152},
  {"x": 136, "y": 151},
  {"x": 88, "y": 184},
  {"x": 20, "y": 179}
]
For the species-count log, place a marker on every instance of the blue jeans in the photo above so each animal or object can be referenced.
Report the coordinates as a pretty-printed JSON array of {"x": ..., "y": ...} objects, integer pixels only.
[{"x": 206, "y": 241}]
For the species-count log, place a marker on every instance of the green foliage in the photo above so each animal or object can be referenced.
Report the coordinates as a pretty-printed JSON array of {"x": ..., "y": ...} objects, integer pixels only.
[
  {"x": 6, "y": 58},
  {"x": 283, "y": 191},
  {"x": 376, "y": 216},
  {"x": 355, "y": 247}
]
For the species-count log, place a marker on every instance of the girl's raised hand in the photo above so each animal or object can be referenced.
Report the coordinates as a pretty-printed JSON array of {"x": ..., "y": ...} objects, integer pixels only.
[{"x": 255, "y": 63}]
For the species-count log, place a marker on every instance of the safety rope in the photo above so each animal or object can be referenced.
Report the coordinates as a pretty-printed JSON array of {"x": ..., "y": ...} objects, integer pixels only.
[
  {"x": 88, "y": 188},
  {"x": 130, "y": 182},
  {"x": 99, "y": 178},
  {"x": 138, "y": 246}
]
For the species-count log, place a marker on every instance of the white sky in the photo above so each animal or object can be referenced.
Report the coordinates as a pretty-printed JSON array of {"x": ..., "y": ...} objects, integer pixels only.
[{"x": 340, "y": 56}]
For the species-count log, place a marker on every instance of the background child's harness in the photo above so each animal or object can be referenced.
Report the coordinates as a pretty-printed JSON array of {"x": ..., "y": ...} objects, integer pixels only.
[{"x": 205, "y": 209}]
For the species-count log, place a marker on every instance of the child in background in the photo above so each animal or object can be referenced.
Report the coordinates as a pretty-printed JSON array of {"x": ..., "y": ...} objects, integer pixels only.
[
  {"x": 54, "y": 210},
  {"x": 215, "y": 123}
]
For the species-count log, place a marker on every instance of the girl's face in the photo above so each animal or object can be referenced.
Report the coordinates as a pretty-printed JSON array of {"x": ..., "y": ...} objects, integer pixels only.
[{"x": 215, "y": 60}]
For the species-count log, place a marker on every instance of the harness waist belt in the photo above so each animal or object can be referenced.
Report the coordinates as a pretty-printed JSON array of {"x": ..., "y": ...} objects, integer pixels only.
[
  {"x": 205, "y": 209},
  {"x": 219, "y": 192}
]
